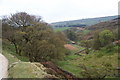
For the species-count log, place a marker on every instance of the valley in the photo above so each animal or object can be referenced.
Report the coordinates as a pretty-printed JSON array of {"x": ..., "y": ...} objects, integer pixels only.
[{"x": 36, "y": 49}]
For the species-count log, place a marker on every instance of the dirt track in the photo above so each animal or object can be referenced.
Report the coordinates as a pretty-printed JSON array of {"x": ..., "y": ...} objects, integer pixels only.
[
  {"x": 3, "y": 67},
  {"x": 70, "y": 47}
]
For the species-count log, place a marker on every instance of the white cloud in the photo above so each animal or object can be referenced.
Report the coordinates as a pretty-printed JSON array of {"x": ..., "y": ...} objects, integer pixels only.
[{"x": 60, "y": 10}]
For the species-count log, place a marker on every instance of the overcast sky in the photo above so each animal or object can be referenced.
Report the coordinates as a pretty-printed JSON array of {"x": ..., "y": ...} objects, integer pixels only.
[{"x": 61, "y": 10}]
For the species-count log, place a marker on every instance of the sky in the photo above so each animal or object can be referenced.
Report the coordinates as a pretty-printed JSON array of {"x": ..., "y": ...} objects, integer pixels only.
[{"x": 60, "y": 10}]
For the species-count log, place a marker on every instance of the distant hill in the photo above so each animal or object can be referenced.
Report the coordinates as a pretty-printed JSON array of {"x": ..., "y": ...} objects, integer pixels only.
[
  {"x": 108, "y": 25},
  {"x": 112, "y": 24},
  {"x": 83, "y": 22}
]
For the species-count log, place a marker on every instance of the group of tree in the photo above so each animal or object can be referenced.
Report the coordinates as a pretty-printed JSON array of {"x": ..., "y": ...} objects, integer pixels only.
[
  {"x": 103, "y": 38},
  {"x": 33, "y": 38},
  {"x": 71, "y": 34}
]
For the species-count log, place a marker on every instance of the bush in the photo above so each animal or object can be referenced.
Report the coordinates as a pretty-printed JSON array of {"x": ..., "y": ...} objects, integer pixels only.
[
  {"x": 99, "y": 55},
  {"x": 98, "y": 72},
  {"x": 106, "y": 37},
  {"x": 67, "y": 52}
]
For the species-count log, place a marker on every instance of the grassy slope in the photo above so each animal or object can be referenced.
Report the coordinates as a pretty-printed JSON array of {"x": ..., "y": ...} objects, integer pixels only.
[
  {"x": 78, "y": 49},
  {"x": 9, "y": 52},
  {"x": 27, "y": 70},
  {"x": 66, "y": 63},
  {"x": 71, "y": 62},
  {"x": 19, "y": 67},
  {"x": 98, "y": 60},
  {"x": 86, "y": 32}
]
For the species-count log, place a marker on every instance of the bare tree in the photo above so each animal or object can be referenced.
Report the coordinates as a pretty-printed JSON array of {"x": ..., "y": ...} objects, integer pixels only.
[{"x": 22, "y": 19}]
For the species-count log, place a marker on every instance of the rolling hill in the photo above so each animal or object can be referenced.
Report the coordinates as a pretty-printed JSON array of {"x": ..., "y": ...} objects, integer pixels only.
[
  {"x": 83, "y": 22},
  {"x": 107, "y": 25},
  {"x": 112, "y": 24}
]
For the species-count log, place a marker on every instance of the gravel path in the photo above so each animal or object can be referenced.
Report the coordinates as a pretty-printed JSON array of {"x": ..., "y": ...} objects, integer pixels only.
[{"x": 3, "y": 67}]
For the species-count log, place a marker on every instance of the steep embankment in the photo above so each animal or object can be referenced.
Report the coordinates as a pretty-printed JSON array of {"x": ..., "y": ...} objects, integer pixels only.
[
  {"x": 20, "y": 67},
  {"x": 28, "y": 70}
]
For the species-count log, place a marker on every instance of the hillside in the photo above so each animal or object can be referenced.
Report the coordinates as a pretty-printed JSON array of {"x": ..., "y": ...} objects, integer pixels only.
[
  {"x": 112, "y": 24},
  {"x": 83, "y": 22},
  {"x": 27, "y": 70},
  {"x": 107, "y": 25},
  {"x": 96, "y": 63},
  {"x": 21, "y": 67}
]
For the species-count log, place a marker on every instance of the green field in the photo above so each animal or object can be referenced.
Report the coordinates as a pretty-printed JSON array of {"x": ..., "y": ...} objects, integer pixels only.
[
  {"x": 86, "y": 32},
  {"x": 60, "y": 29}
]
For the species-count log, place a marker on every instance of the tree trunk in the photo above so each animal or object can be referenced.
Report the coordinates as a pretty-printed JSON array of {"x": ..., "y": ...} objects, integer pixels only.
[{"x": 16, "y": 48}]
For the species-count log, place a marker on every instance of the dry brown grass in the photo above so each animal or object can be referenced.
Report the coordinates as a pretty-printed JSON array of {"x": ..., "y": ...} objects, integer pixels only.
[{"x": 70, "y": 47}]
